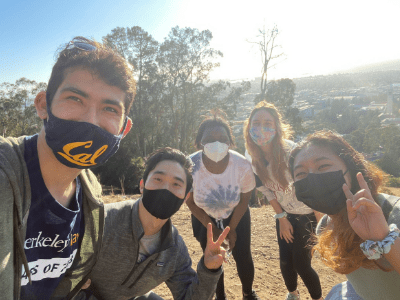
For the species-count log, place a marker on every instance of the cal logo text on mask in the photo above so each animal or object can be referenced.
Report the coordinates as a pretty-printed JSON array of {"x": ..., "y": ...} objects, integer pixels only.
[{"x": 82, "y": 159}]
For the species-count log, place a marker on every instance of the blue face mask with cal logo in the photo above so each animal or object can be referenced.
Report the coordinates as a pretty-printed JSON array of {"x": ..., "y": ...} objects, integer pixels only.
[{"x": 80, "y": 145}]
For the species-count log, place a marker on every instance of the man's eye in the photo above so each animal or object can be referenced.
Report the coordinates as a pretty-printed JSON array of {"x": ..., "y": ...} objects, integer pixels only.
[
  {"x": 157, "y": 179},
  {"x": 111, "y": 109},
  {"x": 177, "y": 184},
  {"x": 300, "y": 175},
  {"x": 74, "y": 98},
  {"x": 324, "y": 166}
]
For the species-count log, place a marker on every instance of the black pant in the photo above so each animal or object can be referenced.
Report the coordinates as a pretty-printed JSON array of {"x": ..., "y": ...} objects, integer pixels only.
[
  {"x": 241, "y": 252},
  {"x": 295, "y": 258}
]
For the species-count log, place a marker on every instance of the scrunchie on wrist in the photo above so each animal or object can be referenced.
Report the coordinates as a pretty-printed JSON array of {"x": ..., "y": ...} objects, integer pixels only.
[{"x": 375, "y": 250}]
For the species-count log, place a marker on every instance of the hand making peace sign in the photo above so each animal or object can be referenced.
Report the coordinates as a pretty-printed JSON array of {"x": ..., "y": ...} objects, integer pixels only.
[
  {"x": 365, "y": 215},
  {"x": 214, "y": 254}
]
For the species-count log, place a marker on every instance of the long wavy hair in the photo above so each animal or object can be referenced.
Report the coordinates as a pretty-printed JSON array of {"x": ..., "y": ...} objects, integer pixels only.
[
  {"x": 338, "y": 244},
  {"x": 278, "y": 162}
]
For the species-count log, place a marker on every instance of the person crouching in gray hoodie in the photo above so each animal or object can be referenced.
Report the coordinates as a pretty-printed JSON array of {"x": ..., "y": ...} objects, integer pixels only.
[{"x": 142, "y": 249}]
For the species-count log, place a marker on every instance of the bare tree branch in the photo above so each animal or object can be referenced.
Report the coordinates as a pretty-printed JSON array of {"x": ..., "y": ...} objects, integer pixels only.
[{"x": 267, "y": 46}]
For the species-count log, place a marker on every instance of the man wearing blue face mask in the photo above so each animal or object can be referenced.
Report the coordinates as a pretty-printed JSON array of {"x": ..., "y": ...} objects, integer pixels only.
[
  {"x": 142, "y": 249},
  {"x": 52, "y": 219}
]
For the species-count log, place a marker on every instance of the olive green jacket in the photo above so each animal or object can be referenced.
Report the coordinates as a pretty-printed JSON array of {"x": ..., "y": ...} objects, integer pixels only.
[{"x": 15, "y": 201}]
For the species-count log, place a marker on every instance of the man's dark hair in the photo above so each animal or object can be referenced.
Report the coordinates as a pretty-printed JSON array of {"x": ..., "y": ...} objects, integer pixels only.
[
  {"x": 168, "y": 153},
  {"x": 102, "y": 61},
  {"x": 216, "y": 119}
]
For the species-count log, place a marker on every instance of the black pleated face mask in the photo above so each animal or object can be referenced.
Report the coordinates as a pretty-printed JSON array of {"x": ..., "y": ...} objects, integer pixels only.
[
  {"x": 161, "y": 204},
  {"x": 322, "y": 192}
]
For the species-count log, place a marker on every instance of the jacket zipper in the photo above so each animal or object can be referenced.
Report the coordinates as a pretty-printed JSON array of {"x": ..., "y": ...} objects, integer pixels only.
[
  {"x": 134, "y": 266},
  {"x": 140, "y": 275}
]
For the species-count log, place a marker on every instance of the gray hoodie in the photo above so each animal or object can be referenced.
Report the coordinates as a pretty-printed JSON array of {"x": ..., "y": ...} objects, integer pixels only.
[{"x": 117, "y": 275}]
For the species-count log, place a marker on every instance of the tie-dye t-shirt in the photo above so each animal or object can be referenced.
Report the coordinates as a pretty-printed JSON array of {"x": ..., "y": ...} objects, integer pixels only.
[{"x": 219, "y": 194}]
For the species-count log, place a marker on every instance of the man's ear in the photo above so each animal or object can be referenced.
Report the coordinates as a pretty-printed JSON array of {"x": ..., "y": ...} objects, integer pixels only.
[
  {"x": 141, "y": 185},
  {"x": 128, "y": 127},
  {"x": 41, "y": 105}
]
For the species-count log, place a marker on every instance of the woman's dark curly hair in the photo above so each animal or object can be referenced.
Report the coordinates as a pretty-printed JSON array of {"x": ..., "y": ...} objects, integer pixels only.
[{"x": 217, "y": 119}]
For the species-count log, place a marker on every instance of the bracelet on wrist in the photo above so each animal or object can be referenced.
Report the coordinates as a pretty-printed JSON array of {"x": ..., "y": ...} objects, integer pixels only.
[
  {"x": 281, "y": 215},
  {"x": 375, "y": 250}
]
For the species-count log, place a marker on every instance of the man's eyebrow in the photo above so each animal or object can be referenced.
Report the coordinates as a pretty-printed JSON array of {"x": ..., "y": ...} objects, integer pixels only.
[
  {"x": 159, "y": 172},
  {"x": 114, "y": 102},
  {"x": 179, "y": 179},
  {"x": 322, "y": 158},
  {"x": 75, "y": 90}
]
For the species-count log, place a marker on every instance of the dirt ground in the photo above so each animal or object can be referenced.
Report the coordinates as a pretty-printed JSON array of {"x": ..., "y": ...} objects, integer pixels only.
[{"x": 268, "y": 281}]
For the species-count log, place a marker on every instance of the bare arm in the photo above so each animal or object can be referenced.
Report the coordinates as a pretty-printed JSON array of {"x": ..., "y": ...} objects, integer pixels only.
[
  {"x": 276, "y": 206},
  {"x": 394, "y": 255},
  {"x": 285, "y": 227},
  {"x": 318, "y": 215},
  {"x": 239, "y": 210},
  {"x": 237, "y": 215},
  {"x": 199, "y": 213},
  {"x": 202, "y": 216}
]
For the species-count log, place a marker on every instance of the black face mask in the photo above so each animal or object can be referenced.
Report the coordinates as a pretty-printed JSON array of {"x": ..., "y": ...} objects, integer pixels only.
[
  {"x": 161, "y": 204},
  {"x": 322, "y": 192}
]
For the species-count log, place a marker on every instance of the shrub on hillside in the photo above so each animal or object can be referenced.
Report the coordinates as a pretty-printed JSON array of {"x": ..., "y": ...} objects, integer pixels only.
[
  {"x": 390, "y": 164},
  {"x": 122, "y": 171},
  {"x": 393, "y": 182}
]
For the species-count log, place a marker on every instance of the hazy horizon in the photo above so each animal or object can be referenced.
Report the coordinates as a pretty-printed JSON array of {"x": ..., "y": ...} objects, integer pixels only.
[{"x": 318, "y": 38}]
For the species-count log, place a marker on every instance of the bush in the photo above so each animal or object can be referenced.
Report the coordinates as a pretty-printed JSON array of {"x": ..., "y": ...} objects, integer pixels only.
[
  {"x": 390, "y": 164},
  {"x": 393, "y": 182},
  {"x": 122, "y": 171}
]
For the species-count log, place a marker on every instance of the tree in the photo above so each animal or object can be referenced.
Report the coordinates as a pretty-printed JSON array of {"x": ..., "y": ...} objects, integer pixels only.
[
  {"x": 231, "y": 101},
  {"x": 267, "y": 48},
  {"x": 17, "y": 113},
  {"x": 390, "y": 140},
  {"x": 185, "y": 60},
  {"x": 140, "y": 49},
  {"x": 281, "y": 94}
]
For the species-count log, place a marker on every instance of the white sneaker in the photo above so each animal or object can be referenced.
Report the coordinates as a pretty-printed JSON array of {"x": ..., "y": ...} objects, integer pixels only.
[{"x": 290, "y": 296}]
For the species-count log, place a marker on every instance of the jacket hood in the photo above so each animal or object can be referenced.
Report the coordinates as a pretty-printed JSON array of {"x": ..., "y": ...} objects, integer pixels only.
[{"x": 91, "y": 186}]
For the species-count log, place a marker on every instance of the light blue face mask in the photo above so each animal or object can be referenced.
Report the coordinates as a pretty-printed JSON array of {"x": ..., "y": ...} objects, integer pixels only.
[{"x": 262, "y": 135}]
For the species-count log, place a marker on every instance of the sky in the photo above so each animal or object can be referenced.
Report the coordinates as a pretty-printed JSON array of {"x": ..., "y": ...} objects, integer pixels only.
[{"x": 316, "y": 37}]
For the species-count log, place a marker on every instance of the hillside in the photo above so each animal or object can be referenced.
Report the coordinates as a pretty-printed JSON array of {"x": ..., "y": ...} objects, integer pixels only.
[{"x": 380, "y": 66}]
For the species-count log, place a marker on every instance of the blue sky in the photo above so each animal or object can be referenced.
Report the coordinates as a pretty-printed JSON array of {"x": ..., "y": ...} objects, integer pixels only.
[
  {"x": 32, "y": 31},
  {"x": 317, "y": 37}
]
